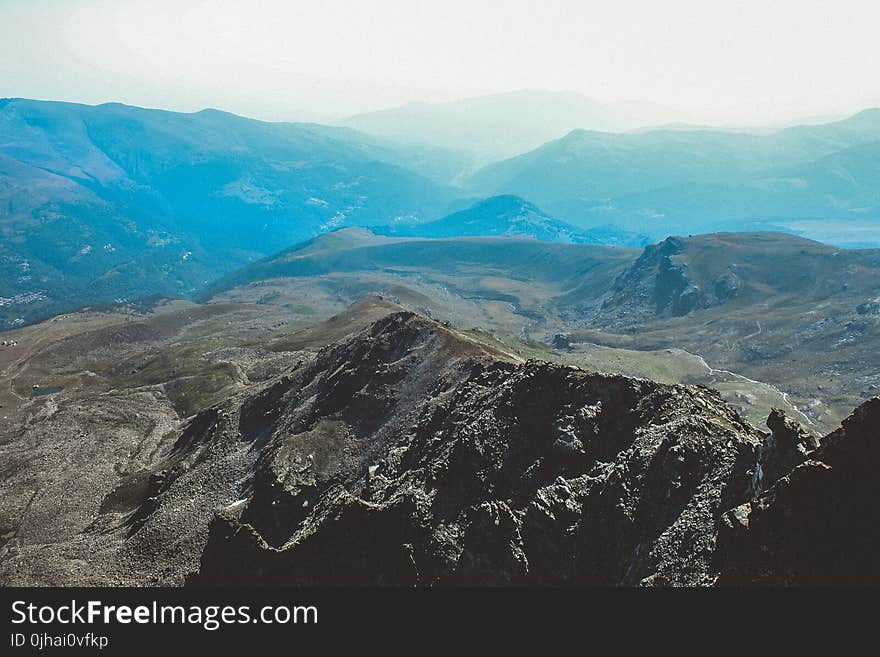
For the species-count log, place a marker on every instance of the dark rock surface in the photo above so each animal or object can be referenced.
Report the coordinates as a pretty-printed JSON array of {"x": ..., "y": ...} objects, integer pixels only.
[
  {"x": 818, "y": 526},
  {"x": 783, "y": 449},
  {"x": 380, "y": 467},
  {"x": 561, "y": 341}
]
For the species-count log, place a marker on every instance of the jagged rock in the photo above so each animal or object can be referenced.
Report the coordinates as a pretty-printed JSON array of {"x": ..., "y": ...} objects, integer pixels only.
[
  {"x": 785, "y": 447},
  {"x": 561, "y": 341},
  {"x": 687, "y": 300},
  {"x": 656, "y": 285},
  {"x": 670, "y": 283},
  {"x": 868, "y": 308},
  {"x": 494, "y": 472},
  {"x": 817, "y": 526}
]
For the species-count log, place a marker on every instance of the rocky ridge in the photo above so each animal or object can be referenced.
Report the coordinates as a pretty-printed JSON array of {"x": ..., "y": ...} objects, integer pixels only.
[{"x": 410, "y": 454}]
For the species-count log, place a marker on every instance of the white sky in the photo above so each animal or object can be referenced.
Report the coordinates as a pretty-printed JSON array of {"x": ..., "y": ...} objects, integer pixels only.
[{"x": 722, "y": 61}]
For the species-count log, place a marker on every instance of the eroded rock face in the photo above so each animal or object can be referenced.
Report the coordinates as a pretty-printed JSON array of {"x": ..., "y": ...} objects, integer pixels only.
[
  {"x": 674, "y": 293},
  {"x": 783, "y": 449},
  {"x": 496, "y": 473},
  {"x": 726, "y": 286},
  {"x": 819, "y": 524},
  {"x": 658, "y": 284}
]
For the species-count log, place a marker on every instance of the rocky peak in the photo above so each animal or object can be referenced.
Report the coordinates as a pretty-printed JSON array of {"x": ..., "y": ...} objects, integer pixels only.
[
  {"x": 658, "y": 284},
  {"x": 491, "y": 472}
]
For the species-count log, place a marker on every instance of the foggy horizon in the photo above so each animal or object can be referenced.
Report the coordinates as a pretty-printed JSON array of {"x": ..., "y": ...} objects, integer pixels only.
[{"x": 305, "y": 62}]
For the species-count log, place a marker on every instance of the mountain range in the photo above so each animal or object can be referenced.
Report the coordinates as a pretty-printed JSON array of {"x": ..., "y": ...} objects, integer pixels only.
[
  {"x": 503, "y": 125},
  {"x": 700, "y": 180},
  {"x": 512, "y": 216},
  {"x": 484, "y": 410},
  {"x": 304, "y": 355},
  {"x": 108, "y": 202}
]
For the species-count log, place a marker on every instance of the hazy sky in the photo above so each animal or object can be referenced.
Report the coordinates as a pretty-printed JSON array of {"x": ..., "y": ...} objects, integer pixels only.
[{"x": 723, "y": 61}]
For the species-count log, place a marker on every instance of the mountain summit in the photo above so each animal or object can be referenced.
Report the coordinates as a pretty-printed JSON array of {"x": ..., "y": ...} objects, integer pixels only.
[{"x": 511, "y": 215}]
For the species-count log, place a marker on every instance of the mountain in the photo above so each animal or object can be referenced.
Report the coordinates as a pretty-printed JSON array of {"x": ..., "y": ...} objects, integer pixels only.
[
  {"x": 510, "y": 215},
  {"x": 665, "y": 181},
  {"x": 769, "y": 319},
  {"x": 475, "y": 469},
  {"x": 107, "y": 202},
  {"x": 683, "y": 275},
  {"x": 502, "y": 125},
  {"x": 214, "y": 445},
  {"x": 520, "y": 276},
  {"x": 768, "y": 306}
]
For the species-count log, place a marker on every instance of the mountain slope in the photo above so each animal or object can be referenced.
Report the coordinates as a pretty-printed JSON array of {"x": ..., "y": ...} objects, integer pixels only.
[
  {"x": 503, "y": 284},
  {"x": 111, "y": 201},
  {"x": 510, "y": 215},
  {"x": 455, "y": 259},
  {"x": 671, "y": 180}
]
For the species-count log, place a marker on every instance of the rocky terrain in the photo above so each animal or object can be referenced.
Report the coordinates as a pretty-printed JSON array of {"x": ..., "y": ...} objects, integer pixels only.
[
  {"x": 818, "y": 525},
  {"x": 385, "y": 448},
  {"x": 771, "y": 307},
  {"x": 769, "y": 319}
]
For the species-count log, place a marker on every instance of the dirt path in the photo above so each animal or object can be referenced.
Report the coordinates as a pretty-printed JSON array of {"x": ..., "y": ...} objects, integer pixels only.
[
  {"x": 770, "y": 386},
  {"x": 752, "y": 335}
]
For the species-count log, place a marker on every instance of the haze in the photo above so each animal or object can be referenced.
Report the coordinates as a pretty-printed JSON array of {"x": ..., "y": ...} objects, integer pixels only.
[{"x": 745, "y": 62}]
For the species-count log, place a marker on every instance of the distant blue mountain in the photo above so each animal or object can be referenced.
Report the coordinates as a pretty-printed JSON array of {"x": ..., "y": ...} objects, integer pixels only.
[
  {"x": 108, "y": 202},
  {"x": 512, "y": 216},
  {"x": 696, "y": 180},
  {"x": 501, "y": 125}
]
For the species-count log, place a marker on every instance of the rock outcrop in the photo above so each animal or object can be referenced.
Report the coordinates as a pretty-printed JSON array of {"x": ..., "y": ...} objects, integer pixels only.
[
  {"x": 657, "y": 284},
  {"x": 819, "y": 525}
]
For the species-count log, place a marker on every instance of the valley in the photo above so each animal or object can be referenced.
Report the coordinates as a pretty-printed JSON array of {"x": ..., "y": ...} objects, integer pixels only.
[{"x": 804, "y": 344}]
